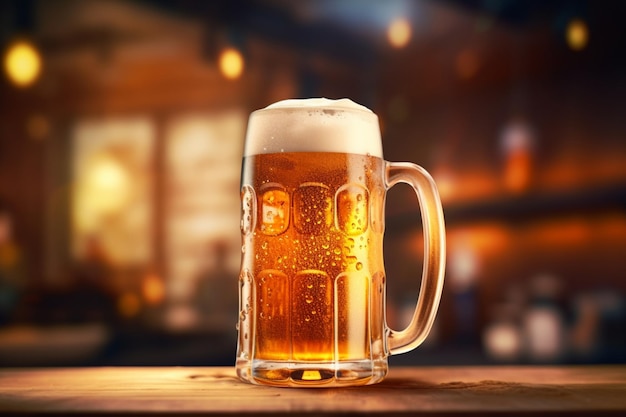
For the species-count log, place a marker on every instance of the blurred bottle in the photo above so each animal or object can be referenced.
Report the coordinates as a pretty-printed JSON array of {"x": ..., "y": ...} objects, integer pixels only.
[
  {"x": 543, "y": 321},
  {"x": 517, "y": 144},
  {"x": 502, "y": 338}
]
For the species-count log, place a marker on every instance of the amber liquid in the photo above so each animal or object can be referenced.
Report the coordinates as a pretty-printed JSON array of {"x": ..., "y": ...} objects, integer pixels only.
[{"x": 312, "y": 280}]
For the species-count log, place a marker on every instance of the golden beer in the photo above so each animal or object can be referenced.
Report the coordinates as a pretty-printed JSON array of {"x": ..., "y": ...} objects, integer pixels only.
[
  {"x": 311, "y": 256},
  {"x": 312, "y": 281}
]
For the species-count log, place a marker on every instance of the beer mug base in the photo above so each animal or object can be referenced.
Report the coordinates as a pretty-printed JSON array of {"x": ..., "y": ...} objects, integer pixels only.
[{"x": 314, "y": 374}]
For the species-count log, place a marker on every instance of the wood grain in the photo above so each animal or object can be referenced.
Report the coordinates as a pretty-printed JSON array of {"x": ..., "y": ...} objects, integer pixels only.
[{"x": 442, "y": 391}]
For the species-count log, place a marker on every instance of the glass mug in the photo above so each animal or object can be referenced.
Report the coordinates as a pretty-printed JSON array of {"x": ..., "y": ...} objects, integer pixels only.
[{"x": 312, "y": 282}]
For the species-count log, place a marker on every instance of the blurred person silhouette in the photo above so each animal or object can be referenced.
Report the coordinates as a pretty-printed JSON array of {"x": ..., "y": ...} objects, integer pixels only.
[{"x": 12, "y": 274}]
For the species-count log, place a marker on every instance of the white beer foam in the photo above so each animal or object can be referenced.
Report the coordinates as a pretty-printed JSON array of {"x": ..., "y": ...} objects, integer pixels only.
[{"x": 314, "y": 125}]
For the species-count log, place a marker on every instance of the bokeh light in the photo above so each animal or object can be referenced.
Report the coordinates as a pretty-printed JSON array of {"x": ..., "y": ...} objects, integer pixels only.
[
  {"x": 399, "y": 33},
  {"x": 231, "y": 63},
  {"x": 577, "y": 34},
  {"x": 153, "y": 289},
  {"x": 22, "y": 63},
  {"x": 502, "y": 341}
]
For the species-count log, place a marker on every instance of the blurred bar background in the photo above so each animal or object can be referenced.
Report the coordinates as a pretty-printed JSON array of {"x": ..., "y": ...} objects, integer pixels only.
[{"x": 121, "y": 131}]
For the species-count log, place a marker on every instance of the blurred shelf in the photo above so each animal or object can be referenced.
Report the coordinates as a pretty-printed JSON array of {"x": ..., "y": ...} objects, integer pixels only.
[{"x": 524, "y": 208}]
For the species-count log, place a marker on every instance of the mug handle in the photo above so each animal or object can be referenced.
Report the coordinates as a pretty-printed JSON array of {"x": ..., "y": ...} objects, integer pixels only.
[{"x": 434, "y": 255}]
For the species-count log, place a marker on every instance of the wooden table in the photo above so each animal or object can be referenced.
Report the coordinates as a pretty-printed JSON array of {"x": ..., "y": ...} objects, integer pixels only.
[{"x": 572, "y": 390}]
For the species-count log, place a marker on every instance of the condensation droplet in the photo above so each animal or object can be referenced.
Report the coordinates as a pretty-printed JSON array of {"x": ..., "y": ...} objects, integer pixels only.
[{"x": 359, "y": 266}]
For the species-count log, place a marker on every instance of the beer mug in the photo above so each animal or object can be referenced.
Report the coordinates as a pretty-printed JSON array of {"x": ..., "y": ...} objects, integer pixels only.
[{"x": 312, "y": 281}]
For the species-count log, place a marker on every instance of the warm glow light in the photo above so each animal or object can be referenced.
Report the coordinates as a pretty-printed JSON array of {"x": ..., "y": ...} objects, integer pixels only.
[
  {"x": 231, "y": 63},
  {"x": 107, "y": 185},
  {"x": 22, "y": 63},
  {"x": 502, "y": 341},
  {"x": 482, "y": 239},
  {"x": 153, "y": 289},
  {"x": 517, "y": 140},
  {"x": 517, "y": 173},
  {"x": 399, "y": 33},
  {"x": 577, "y": 34},
  {"x": 445, "y": 184},
  {"x": 104, "y": 189}
]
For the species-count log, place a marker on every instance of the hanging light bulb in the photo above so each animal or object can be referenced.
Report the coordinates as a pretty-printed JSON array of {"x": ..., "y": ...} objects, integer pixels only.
[
  {"x": 399, "y": 32},
  {"x": 22, "y": 63},
  {"x": 231, "y": 63},
  {"x": 577, "y": 34}
]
